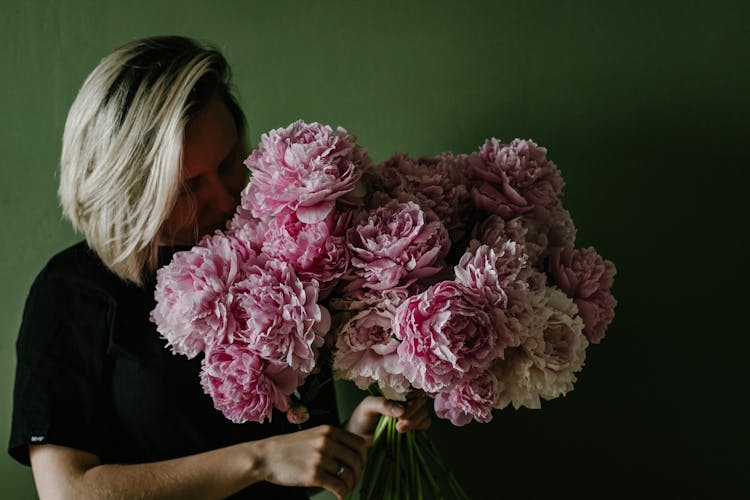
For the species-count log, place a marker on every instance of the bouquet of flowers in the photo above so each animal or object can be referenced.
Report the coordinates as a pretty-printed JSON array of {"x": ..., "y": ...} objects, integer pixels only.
[{"x": 456, "y": 275}]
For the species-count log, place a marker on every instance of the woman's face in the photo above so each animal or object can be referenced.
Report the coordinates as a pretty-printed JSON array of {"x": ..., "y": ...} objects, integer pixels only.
[{"x": 213, "y": 176}]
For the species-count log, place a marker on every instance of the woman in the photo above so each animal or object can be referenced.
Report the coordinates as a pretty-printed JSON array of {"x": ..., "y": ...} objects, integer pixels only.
[{"x": 152, "y": 161}]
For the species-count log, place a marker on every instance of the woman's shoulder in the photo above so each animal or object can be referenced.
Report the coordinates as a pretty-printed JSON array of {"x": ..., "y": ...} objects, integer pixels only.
[
  {"x": 78, "y": 267},
  {"x": 76, "y": 261}
]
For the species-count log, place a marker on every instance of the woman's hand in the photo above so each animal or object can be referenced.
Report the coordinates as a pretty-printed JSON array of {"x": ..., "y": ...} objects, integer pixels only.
[
  {"x": 324, "y": 456},
  {"x": 412, "y": 415}
]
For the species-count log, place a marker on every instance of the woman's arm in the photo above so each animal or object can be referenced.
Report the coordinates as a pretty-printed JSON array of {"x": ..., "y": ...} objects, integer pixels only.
[{"x": 306, "y": 458}]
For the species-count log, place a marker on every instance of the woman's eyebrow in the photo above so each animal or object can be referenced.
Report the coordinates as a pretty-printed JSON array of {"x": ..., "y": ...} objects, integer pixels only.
[{"x": 192, "y": 182}]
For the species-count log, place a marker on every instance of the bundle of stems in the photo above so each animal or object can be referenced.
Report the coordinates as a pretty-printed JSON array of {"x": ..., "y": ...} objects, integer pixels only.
[{"x": 406, "y": 466}]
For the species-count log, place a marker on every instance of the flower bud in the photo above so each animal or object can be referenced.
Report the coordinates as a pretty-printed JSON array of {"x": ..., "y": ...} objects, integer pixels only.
[{"x": 298, "y": 414}]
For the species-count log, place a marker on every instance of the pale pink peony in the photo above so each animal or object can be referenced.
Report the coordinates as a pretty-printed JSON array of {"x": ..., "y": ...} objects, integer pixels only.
[
  {"x": 277, "y": 314},
  {"x": 491, "y": 271},
  {"x": 304, "y": 168},
  {"x": 366, "y": 351},
  {"x": 445, "y": 332},
  {"x": 393, "y": 244},
  {"x": 437, "y": 183},
  {"x": 358, "y": 301},
  {"x": 544, "y": 365},
  {"x": 515, "y": 179},
  {"x": 473, "y": 398},
  {"x": 244, "y": 386},
  {"x": 191, "y": 294},
  {"x": 316, "y": 251},
  {"x": 587, "y": 278}
]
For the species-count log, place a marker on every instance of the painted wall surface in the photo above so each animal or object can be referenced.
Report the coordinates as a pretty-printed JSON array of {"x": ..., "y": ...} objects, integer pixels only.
[{"x": 644, "y": 107}]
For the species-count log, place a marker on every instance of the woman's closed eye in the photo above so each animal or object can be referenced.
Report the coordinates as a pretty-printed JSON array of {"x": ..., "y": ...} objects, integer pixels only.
[{"x": 190, "y": 186}]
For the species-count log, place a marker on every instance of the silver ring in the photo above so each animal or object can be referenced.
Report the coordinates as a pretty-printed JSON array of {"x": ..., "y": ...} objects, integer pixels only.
[{"x": 340, "y": 472}]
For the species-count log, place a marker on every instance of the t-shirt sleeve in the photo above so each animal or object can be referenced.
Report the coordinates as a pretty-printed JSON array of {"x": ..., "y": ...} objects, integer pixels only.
[{"x": 61, "y": 395}]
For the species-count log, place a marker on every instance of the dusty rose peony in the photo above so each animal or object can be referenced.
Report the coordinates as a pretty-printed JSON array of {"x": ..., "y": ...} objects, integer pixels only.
[
  {"x": 561, "y": 231},
  {"x": 277, "y": 314},
  {"x": 366, "y": 351},
  {"x": 244, "y": 386},
  {"x": 587, "y": 278},
  {"x": 445, "y": 332},
  {"x": 515, "y": 179},
  {"x": 304, "y": 168},
  {"x": 191, "y": 310},
  {"x": 437, "y": 183},
  {"x": 544, "y": 365},
  {"x": 495, "y": 231},
  {"x": 395, "y": 243},
  {"x": 316, "y": 251},
  {"x": 470, "y": 399}
]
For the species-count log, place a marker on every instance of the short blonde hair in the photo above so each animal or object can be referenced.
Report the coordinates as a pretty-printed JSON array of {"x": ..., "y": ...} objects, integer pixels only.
[{"x": 120, "y": 169}]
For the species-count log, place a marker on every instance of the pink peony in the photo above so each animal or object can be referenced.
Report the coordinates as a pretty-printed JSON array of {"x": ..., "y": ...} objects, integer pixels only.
[
  {"x": 445, "y": 333},
  {"x": 515, "y": 179},
  {"x": 304, "y": 168},
  {"x": 587, "y": 278},
  {"x": 244, "y": 386},
  {"x": 248, "y": 229},
  {"x": 393, "y": 244},
  {"x": 277, "y": 315},
  {"x": 316, "y": 251},
  {"x": 366, "y": 352},
  {"x": 495, "y": 274},
  {"x": 191, "y": 294},
  {"x": 437, "y": 183},
  {"x": 470, "y": 399}
]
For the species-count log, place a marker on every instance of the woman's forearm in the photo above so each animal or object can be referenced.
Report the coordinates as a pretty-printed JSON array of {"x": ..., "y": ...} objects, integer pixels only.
[{"x": 67, "y": 473}]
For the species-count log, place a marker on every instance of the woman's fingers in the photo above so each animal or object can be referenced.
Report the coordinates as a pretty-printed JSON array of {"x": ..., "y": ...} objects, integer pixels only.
[
  {"x": 365, "y": 416},
  {"x": 350, "y": 459},
  {"x": 376, "y": 406},
  {"x": 353, "y": 442},
  {"x": 416, "y": 415},
  {"x": 314, "y": 457},
  {"x": 341, "y": 473},
  {"x": 421, "y": 423},
  {"x": 414, "y": 407},
  {"x": 333, "y": 484}
]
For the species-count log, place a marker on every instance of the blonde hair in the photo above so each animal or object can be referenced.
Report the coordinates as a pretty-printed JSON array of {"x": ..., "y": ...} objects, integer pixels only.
[{"x": 120, "y": 169}]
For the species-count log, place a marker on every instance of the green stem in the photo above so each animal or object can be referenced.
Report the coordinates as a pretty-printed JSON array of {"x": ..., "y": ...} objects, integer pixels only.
[
  {"x": 397, "y": 452},
  {"x": 429, "y": 447},
  {"x": 428, "y": 474},
  {"x": 382, "y": 425},
  {"x": 416, "y": 476},
  {"x": 371, "y": 474}
]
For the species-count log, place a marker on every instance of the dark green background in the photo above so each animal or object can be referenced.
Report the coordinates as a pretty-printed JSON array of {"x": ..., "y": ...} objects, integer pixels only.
[{"x": 643, "y": 105}]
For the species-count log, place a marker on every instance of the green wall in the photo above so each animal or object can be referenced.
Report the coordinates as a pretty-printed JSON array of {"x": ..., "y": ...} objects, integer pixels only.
[{"x": 643, "y": 105}]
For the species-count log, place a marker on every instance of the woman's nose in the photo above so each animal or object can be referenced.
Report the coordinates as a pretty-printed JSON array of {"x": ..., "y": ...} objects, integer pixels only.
[{"x": 221, "y": 197}]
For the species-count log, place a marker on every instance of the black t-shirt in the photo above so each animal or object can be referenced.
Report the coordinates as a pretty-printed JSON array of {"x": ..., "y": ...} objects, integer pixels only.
[{"x": 94, "y": 374}]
